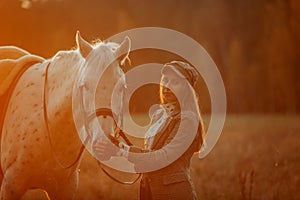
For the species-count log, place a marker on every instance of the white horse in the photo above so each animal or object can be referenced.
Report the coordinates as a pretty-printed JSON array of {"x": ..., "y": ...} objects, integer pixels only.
[{"x": 43, "y": 151}]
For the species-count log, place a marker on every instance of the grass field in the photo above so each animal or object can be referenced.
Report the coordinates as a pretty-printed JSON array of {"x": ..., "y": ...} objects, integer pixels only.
[{"x": 256, "y": 157}]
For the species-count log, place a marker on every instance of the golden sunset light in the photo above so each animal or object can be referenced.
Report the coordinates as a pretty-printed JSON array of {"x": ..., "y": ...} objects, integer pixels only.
[{"x": 139, "y": 99}]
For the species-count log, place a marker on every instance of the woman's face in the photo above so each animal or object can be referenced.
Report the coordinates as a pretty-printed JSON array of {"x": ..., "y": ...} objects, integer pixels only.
[{"x": 171, "y": 84}]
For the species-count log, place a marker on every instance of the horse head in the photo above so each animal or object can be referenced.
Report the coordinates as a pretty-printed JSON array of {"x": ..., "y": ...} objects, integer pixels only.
[{"x": 99, "y": 78}]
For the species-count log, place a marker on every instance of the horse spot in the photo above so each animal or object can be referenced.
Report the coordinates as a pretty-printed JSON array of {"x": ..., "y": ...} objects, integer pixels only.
[
  {"x": 25, "y": 117},
  {"x": 34, "y": 131},
  {"x": 23, "y": 138},
  {"x": 18, "y": 136},
  {"x": 37, "y": 139},
  {"x": 17, "y": 94},
  {"x": 10, "y": 164},
  {"x": 24, "y": 146},
  {"x": 23, "y": 163},
  {"x": 31, "y": 123},
  {"x": 11, "y": 192},
  {"x": 56, "y": 113},
  {"x": 29, "y": 84},
  {"x": 13, "y": 111},
  {"x": 35, "y": 105}
]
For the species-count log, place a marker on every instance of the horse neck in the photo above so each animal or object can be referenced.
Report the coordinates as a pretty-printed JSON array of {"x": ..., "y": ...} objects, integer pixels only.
[{"x": 62, "y": 74}]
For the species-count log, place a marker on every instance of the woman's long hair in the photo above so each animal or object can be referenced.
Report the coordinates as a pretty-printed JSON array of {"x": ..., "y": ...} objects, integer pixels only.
[{"x": 190, "y": 103}]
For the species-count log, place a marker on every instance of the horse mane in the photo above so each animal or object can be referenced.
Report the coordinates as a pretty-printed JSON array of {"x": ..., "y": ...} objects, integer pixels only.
[
  {"x": 106, "y": 55},
  {"x": 66, "y": 54},
  {"x": 113, "y": 47},
  {"x": 96, "y": 43}
]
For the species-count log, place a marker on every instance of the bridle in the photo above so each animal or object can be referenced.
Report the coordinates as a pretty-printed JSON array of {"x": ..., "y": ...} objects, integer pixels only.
[
  {"x": 114, "y": 139},
  {"x": 104, "y": 112}
]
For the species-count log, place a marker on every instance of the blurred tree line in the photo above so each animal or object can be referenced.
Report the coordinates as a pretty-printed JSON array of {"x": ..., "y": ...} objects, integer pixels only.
[{"x": 253, "y": 42}]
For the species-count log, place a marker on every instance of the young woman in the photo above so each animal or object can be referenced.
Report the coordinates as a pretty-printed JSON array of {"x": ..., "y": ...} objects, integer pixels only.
[{"x": 175, "y": 134}]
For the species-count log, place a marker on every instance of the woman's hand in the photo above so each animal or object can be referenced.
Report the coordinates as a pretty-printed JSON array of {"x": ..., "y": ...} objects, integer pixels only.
[{"x": 104, "y": 149}]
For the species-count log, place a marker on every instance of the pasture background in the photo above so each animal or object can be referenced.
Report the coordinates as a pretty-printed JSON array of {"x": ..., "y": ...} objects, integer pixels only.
[
  {"x": 255, "y": 44},
  {"x": 256, "y": 157}
]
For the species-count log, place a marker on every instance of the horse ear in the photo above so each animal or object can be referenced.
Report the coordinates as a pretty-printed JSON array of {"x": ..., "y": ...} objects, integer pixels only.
[
  {"x": 124, "y": 49},
  {"x": 84, "y": 47}
]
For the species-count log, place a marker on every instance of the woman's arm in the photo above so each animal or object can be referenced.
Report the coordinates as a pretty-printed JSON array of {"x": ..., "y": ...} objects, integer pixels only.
[{"x": 174, "y": 146}]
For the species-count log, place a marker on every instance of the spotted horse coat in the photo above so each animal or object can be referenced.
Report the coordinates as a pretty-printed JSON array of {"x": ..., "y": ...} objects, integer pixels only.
[{"x": 27, "y": 156}]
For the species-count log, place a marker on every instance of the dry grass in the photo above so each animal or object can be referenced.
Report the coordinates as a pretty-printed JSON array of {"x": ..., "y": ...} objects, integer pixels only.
[{"x": 256, "y": 157}]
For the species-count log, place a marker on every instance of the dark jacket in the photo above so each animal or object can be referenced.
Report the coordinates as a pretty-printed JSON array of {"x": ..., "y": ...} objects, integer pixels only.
[{"x": 168, "y": 175}]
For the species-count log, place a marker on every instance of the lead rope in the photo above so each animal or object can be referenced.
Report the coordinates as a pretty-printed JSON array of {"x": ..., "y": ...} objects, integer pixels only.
[
  {"x": 48, "y": 130},
  {"x": 118, "y": 181}
]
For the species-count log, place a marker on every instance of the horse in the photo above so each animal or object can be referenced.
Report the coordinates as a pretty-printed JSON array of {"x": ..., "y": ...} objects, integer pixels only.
[{"x": 40, "y": 145}]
